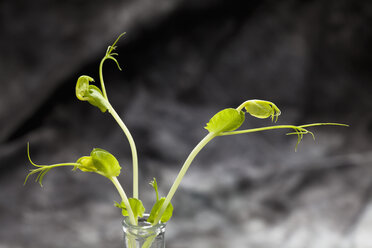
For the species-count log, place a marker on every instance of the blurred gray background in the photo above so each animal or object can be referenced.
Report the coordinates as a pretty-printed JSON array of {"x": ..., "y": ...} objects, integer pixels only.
[{"x": 182, "y": 62}]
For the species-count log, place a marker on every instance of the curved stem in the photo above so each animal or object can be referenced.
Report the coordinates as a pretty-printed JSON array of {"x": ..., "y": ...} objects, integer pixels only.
[
  {"x": 241, "y": 106},
  {"x": 133, "y": 149},
  {"x": 182, "y": 173},
  {"x": 101, "y": 78},
  {"x": 108, "y": 53},
  {"x": 124, "y": 198},
  {"x": 112, "y": 111}
]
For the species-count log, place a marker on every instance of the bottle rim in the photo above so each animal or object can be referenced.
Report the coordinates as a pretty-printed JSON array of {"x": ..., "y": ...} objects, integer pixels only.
[{"x": 143, "y": 224}]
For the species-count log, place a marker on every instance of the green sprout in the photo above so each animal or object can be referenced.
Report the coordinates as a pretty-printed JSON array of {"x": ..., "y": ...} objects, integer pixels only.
[
  {"x": 98, "y": 98},
  {"x": 224, "y": 123},
  {"x": 154, "y": 214},
  {"x": 100, "y": 161}
]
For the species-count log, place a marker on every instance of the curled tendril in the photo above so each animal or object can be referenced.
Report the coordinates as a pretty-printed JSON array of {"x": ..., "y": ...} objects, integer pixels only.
[
  {"x": 43, "y": 169},
  {"x": 300, "y": 131},
  {"x": 110, "y": 54},
  {"x": 113, "y": 46}
]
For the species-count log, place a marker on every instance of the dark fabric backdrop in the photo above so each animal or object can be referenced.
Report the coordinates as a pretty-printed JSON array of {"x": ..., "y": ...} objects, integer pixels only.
[{"x": 182, "y": 62}]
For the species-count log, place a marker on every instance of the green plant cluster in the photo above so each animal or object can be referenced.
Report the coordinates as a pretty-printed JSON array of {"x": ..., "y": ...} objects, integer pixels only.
[{"x": 225, "y": 122}]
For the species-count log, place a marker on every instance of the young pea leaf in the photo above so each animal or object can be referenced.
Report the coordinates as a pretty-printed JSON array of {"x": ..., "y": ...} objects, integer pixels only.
[
  {"x": 154, "y": 184},
  {"x": 86, "y": 164},
  {"x": 155, "y": 211},
  {"x": 262, "y": 109},
  {"x": 106, "y": 164},
  {"x": 226, "y": 120},
  {"x": 97, "y": 99},
  {"x": 100, "y": 161},
  {"x": 136, "y": 205},
  {"x": 91, "y": 93}
]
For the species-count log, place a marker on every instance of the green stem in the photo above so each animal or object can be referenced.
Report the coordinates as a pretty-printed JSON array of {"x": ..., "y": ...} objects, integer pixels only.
[
  {"x": 182, "y": 173},
  {"x": 149, "y": 241},
  {"x": 132, "y": 146},
  {"x": 124, "y": 198},
  {"x": 241, "y": 106},
  {"x": 323, "y": 124},
  {"x": 260, "y": 129},
  {"x": 108, "y": 53},
  {"x": 280, "y": 127},
  {"x": 101, "y": 78},
  {"x": 118, "y": 119},
  {"x": 56, "y": 165}
]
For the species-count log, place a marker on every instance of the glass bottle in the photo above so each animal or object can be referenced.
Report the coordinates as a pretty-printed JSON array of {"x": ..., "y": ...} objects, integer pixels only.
[{"x": 144, "y": 235}]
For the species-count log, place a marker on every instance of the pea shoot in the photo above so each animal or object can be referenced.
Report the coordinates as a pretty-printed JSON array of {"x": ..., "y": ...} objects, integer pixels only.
[{"x": 224, "y": 123}]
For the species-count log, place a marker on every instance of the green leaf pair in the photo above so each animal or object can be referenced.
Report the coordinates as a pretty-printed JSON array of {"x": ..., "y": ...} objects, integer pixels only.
[
  {"x": 226, "y": 120},
  {"x": 155, "y": 212},
  {"x": 136, "y": 206},
  {"x": 90, "y": 93},
  {"x": 100, "y": 161},
  {"x": 262, "y": 109},
  {"x": 231, "y": 119}
]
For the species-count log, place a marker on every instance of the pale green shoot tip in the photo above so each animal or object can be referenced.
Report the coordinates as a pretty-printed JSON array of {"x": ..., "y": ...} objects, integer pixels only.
[
  {"x": 113, "y": 46},
  {"x": 261, "y": 109},
  {"x": 101, "y": 162},
  {"x": 154, "y": 184},
  {"x": 110, "y": 49},
  {"x": 90, "y": 93}
]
